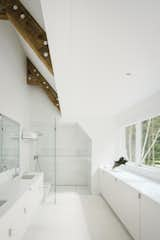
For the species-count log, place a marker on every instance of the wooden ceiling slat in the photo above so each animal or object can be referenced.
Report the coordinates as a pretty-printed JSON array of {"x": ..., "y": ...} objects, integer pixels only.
[
  {"x": 3, "y": 14},
  {"x": 35, "y": 78},
  {"x": 29, "y": 29}
]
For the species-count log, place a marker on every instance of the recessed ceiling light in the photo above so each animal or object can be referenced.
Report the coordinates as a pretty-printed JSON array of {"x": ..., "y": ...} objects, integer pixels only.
[{"x": 128, "y": 74}]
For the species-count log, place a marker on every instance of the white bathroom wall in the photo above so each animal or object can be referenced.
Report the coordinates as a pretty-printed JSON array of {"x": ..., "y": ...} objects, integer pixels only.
[
  {"x": 103, "y": 132},
  {"x": 147, "y": 108},
  {"x": 73, "y": 155},
  {"x": 14, "y": 92}
]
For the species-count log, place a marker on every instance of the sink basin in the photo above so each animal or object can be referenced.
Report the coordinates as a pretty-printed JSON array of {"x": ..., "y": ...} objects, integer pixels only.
[
  {"x": 29, "y": 176},
  {"x": 2, "y": 202}
]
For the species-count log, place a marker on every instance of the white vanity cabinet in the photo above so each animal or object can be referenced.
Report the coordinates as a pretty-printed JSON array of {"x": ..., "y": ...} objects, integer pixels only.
[
  {"x": 150, "y": 219},
  {"x": 14, "y": 222},
  {"x": 17, "y": 221},
  {"x": 123, "y": 200},
  {"x": 127, "y": 208},
  {"x": 31, "y": 200},
  {"x": 5, "y": 227},
  {"x": 108, "y": 188},
  {"x": 135, "y": 200},
  {"x": 33, "y": 197}
]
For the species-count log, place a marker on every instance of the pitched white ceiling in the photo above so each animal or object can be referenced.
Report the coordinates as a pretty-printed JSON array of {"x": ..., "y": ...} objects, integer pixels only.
[{"x": 95, "y": 44}]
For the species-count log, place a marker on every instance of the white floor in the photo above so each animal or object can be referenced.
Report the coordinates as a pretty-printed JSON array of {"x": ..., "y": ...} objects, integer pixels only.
[{"x": 76, "y": 216}]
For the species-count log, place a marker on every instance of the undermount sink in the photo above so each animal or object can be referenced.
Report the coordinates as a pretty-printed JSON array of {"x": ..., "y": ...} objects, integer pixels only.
[
  {"x": 28, "y": 176},
  {"x": 2, "y": 202}
]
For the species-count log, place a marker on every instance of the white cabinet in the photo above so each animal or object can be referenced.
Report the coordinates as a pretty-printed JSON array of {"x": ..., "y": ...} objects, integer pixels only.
[
  {"x": 127, "y": 208},
  {"x": 10, "y": 225},
  {"x": 15, "y": 221},
  {"x": 138, "y": 212},
  {"x": 5, "y": 228},
  {"x": 108, "y": 187},
  {"x": 123, "y": 199},
  {"x": 150, "y": 219}
]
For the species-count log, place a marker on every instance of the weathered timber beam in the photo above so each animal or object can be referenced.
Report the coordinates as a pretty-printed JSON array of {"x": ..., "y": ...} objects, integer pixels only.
[
  {"x": 35, "y": 78},
  {"x": 29, "y": 29}
]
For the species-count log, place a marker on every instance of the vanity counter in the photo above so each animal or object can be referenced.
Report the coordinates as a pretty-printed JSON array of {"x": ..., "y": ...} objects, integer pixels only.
[
  {"x": 141, "y": 184},
  {"x": 12, "y": 190}
]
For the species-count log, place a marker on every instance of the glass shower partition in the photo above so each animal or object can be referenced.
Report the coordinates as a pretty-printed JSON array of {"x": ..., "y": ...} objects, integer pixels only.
[
  {"x": 73, "y": 158},
  {"x": 44, "y": 159},
  {"x": 63, "y": 153}
]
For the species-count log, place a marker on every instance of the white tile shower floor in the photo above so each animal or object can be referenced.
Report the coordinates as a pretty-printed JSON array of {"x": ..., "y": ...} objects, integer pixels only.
[{"x": 76, "y": 216}]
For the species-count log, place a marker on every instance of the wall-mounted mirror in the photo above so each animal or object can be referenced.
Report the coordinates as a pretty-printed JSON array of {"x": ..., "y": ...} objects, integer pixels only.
[{"x": 9, "y": 144}]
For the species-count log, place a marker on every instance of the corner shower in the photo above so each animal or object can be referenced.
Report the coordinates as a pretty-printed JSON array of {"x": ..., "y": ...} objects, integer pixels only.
[{"x": 62, "y": 152}]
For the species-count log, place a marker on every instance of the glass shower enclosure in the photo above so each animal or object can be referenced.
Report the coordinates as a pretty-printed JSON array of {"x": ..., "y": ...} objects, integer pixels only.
[{"x": 63, "y": 153}]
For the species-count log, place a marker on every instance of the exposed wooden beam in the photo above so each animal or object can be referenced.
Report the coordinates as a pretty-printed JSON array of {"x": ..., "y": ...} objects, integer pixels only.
[
  {"x": 35, "y": 78},
  {"x": 3, "y": 14},
  {"x": 29, "y": 29}
]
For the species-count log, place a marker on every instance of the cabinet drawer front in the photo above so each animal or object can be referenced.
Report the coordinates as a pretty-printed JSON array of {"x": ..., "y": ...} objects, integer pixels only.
[
  {"x": 124, "y": 201},
  {"x": 17, "y": 218},
  {"x": 5, "y": 225},
  {"x": 150, "y": 219},
  {"x": 109, "y": 190},
  {"x": 128, "y": 208}
]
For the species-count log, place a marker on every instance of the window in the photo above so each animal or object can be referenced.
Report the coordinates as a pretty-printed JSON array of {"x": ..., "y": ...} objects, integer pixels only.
[
  {"x": 151, "y": 142},
  {"x": 130, "y": 135},
  {"x": 146, "y": 136}
]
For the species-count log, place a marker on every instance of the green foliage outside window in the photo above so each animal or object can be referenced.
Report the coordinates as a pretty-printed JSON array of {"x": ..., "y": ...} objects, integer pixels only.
[
  {"x": 149, "y": 134},
  {"x": 151, "y": 142}
]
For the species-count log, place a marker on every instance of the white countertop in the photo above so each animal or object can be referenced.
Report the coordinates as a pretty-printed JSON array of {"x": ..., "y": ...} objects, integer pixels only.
[
  {"x": 141, "y": 184},
  {"x": 13, "y": 189}
]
